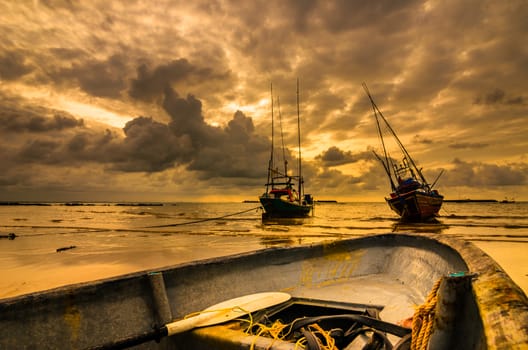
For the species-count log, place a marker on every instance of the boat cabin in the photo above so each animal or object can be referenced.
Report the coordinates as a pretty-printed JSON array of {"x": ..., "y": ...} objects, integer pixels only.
[
  {"x": 408, "y": 185},
  {"x": 287, "y": 194}
]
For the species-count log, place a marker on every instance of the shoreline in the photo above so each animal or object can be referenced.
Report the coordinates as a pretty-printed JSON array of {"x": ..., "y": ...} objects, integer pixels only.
[{"x": 86, "y": 264}]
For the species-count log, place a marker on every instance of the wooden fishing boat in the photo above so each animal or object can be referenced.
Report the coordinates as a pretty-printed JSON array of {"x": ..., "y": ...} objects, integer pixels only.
[
  {"x": 415, "y": 204},
  {"x": 352, "y": 291},
  {"x": 412, "y": 197},
  {"x": 282, "y": 199}
]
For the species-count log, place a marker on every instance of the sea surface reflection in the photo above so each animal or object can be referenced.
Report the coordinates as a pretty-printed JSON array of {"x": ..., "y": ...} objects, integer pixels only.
[{"x": 109, "y": 239}]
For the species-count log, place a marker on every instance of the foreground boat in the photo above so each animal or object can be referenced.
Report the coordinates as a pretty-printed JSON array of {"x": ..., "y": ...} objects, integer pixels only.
[
  {"x": 412, "y": 197},
  {"x": 368, "y": 287},
  {"x": 281, "y": 199}
]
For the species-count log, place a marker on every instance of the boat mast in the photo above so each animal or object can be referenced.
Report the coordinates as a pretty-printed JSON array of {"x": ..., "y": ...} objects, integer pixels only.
[
  {"x": 403, "y": 149},
  {"x": 387, "y": 170},
  {"x": 400, "y": 144},
  {"x": 282, "y": 140},
  {"x": 386, "y": 156},
  {"x": 301, "y": 182},
  {"x": 271, "y": 163}
]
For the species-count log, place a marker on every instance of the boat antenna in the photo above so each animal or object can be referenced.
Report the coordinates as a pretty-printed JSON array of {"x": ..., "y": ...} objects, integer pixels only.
[
  {"x": 386, "y": 156},
  {"x": 282, "y": 139},
  {"x": 301, "y": 182}
]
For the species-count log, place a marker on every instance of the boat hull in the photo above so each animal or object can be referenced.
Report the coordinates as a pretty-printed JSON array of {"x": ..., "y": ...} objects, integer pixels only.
[
  {"x": 416, "y": 205},
  {"x": 392, "y": 273},
  {"x": 279, "y": 208}
]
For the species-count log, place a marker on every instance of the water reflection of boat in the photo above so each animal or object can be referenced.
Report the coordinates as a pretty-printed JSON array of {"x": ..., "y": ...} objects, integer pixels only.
[
  {"x": 412, "y": 197},
  {"x": 282, "y": 199},
  {"x": 431, "y": 226},
  {"x": 284, "y": 221},
  {"x": 273, "y": 241}
]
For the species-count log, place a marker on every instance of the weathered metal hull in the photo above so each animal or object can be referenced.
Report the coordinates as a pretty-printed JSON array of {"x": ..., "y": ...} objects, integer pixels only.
[
  {"x": 393, "y": 272},
  {"x": 416, "y": 205},
  {"x": 278, "y": 208}
]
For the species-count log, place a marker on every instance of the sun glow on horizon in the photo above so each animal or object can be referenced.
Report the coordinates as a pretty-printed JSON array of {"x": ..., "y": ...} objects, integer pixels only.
[{"x": 94, "y": 113}]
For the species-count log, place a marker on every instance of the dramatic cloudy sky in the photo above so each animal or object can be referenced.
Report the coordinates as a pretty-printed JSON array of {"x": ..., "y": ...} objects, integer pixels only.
[{"x": 170, "y": 100}]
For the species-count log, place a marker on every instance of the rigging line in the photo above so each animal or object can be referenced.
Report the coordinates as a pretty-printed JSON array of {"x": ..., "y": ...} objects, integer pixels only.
[
  {"x": 387, "y": 170},
  {"x": 402, "y": 147},
  {"x": 380, "y": 135},
  {"x": 438, "y": 177},
  {"x": 400, "y": 144},
  {"x": 203, "y": 220}
]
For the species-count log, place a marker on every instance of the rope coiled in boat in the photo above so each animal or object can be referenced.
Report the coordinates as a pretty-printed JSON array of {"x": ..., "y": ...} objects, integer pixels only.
[{"x": 423, "y": 319}]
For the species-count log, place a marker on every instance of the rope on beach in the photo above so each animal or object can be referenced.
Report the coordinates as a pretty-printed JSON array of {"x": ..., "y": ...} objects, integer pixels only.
[
  {"x": 422, "y": 323},
  {"x": 207, "y": 219}
]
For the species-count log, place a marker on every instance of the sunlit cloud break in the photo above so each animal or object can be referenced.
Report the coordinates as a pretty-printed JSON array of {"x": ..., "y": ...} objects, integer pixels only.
[{"x": 109, "y": 100}]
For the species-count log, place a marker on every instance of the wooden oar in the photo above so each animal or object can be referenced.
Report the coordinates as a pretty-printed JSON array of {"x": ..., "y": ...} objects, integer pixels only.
[{"x": 216, "y": 314}]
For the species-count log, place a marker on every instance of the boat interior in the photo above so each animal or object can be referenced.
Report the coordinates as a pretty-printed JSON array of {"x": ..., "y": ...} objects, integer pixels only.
[
  {"x": 353, "y": 291},
  {"x": 367, "y": 312}
]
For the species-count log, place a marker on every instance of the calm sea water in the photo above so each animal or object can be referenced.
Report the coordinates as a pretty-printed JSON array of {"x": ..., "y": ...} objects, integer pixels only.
[{"x": 109, "y": 239}]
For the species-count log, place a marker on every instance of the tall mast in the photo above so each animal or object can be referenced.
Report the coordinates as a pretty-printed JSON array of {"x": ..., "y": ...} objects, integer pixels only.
[
  {"x": 400, "y": 144},
  {"x": 299, "y": 141},
  {"x": 282, "y": 140},
  {"x": 402, "y": 147},
  {"x": 272, "y": 128},
  {"x": 271, "y": 162},
  {"x": 380, "y": 135}
]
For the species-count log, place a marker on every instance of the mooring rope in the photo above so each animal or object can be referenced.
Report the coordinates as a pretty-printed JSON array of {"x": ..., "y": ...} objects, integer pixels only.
[
  {"x": 203, "y": 220},
  {"x": 422, "y": 323}
]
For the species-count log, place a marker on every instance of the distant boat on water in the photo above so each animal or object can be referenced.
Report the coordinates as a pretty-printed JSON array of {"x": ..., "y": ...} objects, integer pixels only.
[
  {"x": 284, "y": 196},
  {"x": 468, "y": 200},
  {"x": 412, "y": 197},
  {"x": 506, "y": 200}
]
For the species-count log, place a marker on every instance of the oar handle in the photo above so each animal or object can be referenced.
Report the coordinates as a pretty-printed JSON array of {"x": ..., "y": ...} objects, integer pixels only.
[
  {"x": 185, "y": 325},
  {"x": 216, "y": 314},
  {"x": 169, "y": 329}
]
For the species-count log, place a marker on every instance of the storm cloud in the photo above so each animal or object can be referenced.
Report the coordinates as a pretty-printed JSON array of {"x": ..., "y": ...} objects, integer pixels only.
[
  {"x": 146, "y": 145},
  {"x": 123, "y": 98},
  {"x": 335, "y": 156}
]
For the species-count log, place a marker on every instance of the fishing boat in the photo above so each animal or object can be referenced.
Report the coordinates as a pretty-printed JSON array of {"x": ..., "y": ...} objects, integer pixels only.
[
  {"x": 282, "y": 199},
  {"x": 412, "y": 197},
  {"x": 389, "y": 290}
]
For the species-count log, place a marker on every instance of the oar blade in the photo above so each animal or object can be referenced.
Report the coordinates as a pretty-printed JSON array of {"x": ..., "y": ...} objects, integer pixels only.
[
  {"x": 228, "y": 310},
  {"x": 237, "y": 307}
]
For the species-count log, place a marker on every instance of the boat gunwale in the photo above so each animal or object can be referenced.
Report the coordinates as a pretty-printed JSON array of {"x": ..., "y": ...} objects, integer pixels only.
[
  {"x": 468, "y": 252},
  {"x": 502, "y": 305}
]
